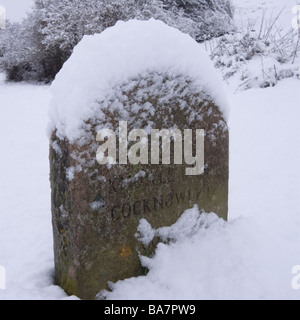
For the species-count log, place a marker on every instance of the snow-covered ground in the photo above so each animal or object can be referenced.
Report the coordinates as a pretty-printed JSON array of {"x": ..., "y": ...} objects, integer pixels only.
[
  {"x": 250, "y": 257},
  {"x": 253, "y": 11},
  {"x": 25, "y": 220}
]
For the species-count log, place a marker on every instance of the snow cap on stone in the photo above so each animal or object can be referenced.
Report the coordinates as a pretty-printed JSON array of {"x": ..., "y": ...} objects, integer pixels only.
[{"x": 115, "y": 56}]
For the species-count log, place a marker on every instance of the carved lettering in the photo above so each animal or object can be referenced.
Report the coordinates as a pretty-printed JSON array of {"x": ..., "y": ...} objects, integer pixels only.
[
  {"x": 137, "y": 207},
  {"x": 146, "y": 206},
  {"x": 126, "y": 210},
  {"x": 157, "y": 203},
  {"x": 198, "y": 193},
  {"x": 180, "y": 197},
  {"x": 114, "y": 213},
  {"x": 169, "y": 200},
  {"x": 112, "y": 184}
]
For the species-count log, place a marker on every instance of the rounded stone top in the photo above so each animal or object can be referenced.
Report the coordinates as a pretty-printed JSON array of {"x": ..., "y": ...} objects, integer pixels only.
[{"x": 128, "y": 50}]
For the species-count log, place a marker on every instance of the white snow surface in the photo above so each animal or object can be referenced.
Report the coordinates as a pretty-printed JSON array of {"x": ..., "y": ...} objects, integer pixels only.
[
  {"x": 254, "y": 11},
  {"x": 120, "y": 53},
  {"x": 25, "y": 221}
]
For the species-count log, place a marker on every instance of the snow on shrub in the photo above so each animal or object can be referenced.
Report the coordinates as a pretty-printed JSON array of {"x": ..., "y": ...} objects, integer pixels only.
[
  {"x": 46, "y": 38},
  {"x": 257, "y": 58}
]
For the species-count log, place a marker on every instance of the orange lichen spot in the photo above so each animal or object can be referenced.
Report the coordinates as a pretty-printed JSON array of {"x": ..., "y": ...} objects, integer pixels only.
[{"x": 125, "y": 252}]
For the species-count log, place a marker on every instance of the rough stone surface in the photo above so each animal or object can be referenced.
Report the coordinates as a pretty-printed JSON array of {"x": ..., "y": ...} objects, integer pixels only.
[{"x": 96, "y": 209}]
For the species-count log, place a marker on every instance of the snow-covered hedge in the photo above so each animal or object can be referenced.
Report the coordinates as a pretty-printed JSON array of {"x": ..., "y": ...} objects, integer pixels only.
[
  {"x": 257, "y": 58},
  {"x": 37, "y": 48}
]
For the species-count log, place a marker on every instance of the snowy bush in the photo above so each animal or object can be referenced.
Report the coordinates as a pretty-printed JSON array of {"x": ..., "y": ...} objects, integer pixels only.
[
  {"x": 211, "y": 18},
  {"x": 49, "y": 33},
  {"x": 15, "y": 55},
  {"x": 259, "y": 57}
]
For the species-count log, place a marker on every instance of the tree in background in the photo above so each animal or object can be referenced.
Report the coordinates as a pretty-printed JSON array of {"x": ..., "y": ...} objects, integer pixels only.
[{"x": 37, "y": 48}]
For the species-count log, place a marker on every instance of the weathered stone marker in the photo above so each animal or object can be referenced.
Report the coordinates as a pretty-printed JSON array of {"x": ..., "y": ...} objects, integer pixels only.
[{"x": 96, "y": 208}]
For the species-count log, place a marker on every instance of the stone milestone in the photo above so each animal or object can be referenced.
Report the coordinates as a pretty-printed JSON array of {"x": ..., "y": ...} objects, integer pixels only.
[{"x": 96, "y": 208}]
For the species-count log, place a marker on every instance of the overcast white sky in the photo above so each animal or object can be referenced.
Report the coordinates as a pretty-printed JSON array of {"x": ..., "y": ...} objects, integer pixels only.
[{"x": 16, "y": 9}]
